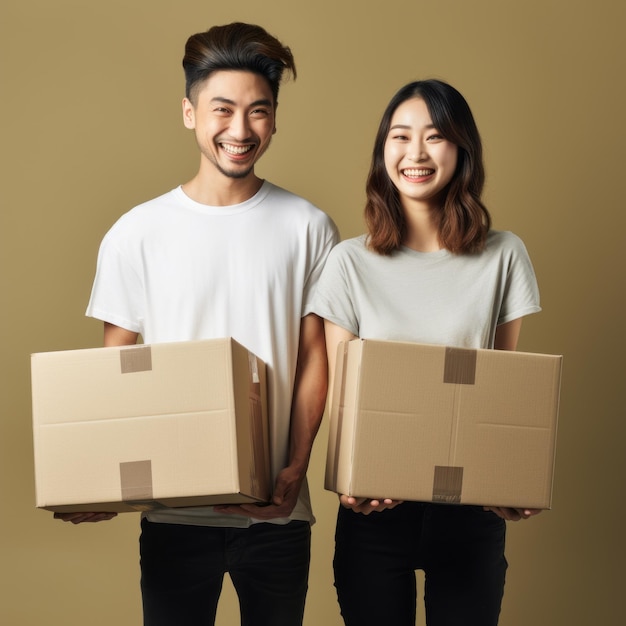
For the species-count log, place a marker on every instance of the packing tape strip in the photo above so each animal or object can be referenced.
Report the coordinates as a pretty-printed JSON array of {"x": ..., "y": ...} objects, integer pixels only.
[
  {"x": 136, "y": 480},
  {"x": 448, "y": 484},
  {"x": 136, "y": 359},
  {"x": 460, "y": 366}
]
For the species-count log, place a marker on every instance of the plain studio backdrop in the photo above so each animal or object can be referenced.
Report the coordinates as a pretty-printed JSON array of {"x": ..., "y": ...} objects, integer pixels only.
[{"x": 91, "y": 125}]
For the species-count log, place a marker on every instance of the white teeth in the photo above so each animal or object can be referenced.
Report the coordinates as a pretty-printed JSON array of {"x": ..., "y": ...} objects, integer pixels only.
[
  {"x": 418, "y": 173},
  {"x": 236, "y": 149}
]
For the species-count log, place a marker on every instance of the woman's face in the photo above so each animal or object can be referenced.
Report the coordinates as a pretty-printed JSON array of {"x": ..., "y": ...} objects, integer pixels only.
[{"x": 418, "y": 160}]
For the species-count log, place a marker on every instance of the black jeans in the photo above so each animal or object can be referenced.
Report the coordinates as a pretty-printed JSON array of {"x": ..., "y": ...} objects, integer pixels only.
[
  {"x": 460, "y": 549},
  {"x": 182, "y": 569}
]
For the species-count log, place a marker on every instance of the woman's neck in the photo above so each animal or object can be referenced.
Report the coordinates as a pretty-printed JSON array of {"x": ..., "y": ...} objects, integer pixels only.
[{"x": 422, "y": 229}]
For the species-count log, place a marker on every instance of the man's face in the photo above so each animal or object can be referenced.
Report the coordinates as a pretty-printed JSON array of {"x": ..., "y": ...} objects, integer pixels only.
[{"x": 234, "y": 120}]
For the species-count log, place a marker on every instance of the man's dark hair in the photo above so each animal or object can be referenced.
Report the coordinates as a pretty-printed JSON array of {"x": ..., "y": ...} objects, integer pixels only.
[{"x": 235, "y": 46}]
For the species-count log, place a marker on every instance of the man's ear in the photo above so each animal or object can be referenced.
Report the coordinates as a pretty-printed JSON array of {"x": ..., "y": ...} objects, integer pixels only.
[
  {"x": 275, "y": 109},
  {"x": 189, "y": 114}
]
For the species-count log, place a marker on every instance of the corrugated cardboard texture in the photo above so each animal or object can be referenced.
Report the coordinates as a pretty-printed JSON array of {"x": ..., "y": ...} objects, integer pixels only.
[
  {"x": 430, "y": 423},
  {"x": 133, "y": 428}
]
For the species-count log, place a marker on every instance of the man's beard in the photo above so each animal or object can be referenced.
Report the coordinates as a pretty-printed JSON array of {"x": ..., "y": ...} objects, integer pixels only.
[{"x": 234, "y": 174}]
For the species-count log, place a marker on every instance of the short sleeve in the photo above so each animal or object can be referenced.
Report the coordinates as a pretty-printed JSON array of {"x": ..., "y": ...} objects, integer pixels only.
[
  {"x": 321, "y": 243},
  {"x": 333, "y": 299},
  {"x": 521, "y": 292},
  {"x": 117, "y": 292}
]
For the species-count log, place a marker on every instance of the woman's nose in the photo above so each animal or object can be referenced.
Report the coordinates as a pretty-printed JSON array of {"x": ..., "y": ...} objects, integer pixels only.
[{"x": 416, "y": 151}]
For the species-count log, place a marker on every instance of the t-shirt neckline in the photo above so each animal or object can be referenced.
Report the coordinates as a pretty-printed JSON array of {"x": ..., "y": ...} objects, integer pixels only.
[{"x": 232, "y": 209}]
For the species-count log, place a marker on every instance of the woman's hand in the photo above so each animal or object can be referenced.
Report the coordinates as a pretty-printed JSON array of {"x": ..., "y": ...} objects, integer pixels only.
[
  {"x": 367, "y": 505},
  {"x": 511, "y": 514}
]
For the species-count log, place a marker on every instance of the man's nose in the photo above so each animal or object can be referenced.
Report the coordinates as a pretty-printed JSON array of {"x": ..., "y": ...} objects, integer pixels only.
[{"x": 240, "y": 127}]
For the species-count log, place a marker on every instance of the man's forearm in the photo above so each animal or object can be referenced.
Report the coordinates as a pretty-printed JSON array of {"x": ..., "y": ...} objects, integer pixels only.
[{"x": 309, "y": 397}]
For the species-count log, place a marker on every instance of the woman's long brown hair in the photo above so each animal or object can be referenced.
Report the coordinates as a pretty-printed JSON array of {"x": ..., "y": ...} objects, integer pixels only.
[{"x": 463, "y": 219}]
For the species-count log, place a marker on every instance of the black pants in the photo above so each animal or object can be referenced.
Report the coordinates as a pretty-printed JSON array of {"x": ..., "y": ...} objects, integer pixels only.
[
  {"x": 460, "y": 549},
  {"x": 182, "y": 569}
]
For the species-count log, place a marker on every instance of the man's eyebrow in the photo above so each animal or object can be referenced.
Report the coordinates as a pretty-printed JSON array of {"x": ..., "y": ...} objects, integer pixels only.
[
  {"x": 256, "y": 103},
  {"x": 263, "y": 102}
]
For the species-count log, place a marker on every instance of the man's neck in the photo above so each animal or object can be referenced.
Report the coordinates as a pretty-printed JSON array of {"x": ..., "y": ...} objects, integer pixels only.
[{"x": 220, "y": 190}]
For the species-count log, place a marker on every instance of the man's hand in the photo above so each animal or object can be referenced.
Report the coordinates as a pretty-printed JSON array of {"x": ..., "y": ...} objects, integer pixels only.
[
  {"x": 283, "y": 500},
  {"x": 79, "y": 518}
]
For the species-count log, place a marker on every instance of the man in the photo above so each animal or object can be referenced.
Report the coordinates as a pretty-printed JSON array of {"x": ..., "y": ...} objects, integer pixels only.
[{"x": 228, "y": 254}]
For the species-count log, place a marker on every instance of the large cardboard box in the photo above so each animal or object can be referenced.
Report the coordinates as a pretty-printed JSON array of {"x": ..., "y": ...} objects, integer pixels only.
[
  {"x": 438, "y": 424},
  {"x": 150, "y": 426}
]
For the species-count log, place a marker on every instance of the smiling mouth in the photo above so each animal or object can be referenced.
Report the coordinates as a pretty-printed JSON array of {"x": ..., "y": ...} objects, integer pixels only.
[
  {"x": 236, "y": 150},
  {"x": 418, "y": 173}
]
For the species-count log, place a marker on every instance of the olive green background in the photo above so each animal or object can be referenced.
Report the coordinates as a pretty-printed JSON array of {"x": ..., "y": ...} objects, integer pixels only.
[{"x": 91, "y": 125}]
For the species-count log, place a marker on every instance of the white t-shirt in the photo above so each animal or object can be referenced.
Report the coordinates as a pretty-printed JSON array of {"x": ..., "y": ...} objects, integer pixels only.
[
  {"x": 428, "y": 297},
  {"x": 172, "y": 269}
]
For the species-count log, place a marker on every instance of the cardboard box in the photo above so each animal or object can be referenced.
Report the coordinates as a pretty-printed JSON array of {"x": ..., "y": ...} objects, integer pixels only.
[
  {"x": 150, "y": 426},
  {"x": 438, "y": 424}
]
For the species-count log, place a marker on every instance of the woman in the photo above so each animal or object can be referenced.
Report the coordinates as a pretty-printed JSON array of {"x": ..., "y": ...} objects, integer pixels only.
[{"x": 429, "y": 270}]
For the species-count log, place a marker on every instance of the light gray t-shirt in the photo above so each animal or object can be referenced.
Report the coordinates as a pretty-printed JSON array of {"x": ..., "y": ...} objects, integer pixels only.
[{"x": 428, "y": 297}]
